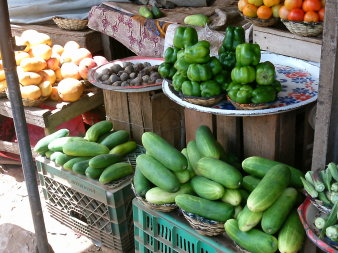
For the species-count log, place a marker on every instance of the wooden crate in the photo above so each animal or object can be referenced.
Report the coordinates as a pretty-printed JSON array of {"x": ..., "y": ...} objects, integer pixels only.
[
  {"x": 146, "y": 111},
  {"x": 283, "y": 42}
]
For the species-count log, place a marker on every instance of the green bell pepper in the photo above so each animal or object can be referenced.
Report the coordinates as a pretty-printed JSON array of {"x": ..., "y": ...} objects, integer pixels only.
[
  {"x": 166, "y": 70},
  {"x": 277, "y": 85},
  {"x": 198, "y": 53},
  {"x": 199, "y": 72},
  {"x": 228, "y": 59},
  {"x": 180, "y": 54},
  {"x": 265, "y": 73},
  {"x": 185, "y": 37},
  {"x": 234, "y": 35},
  {"x": 170, "y": 55},
  {"x": 263, "y": 94},
  {"x": 248, "y": 54},
  {"x": 241, "y": 93},
  {"x": 210, "y": 88},
  {"x": 243, "y": 75},
  {"x": 190, "y": 88},
  {"x": 222, "y": 77},
  {"x": 215, "y": 65},
  {"x": 178, "y": 80},
  {"x": 182, "y": 66}
]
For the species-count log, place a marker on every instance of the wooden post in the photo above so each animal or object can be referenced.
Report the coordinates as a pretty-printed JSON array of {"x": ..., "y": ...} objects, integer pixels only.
[
  {"x": 193, "y": 119},
  {"x": 325, "y": 147}
]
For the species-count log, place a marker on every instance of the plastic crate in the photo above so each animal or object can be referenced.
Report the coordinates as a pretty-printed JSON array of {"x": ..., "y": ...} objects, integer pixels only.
[{"x": 170, "y": 233}]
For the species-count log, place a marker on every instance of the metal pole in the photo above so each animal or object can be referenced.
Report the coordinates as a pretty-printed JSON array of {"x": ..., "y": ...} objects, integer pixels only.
[{"x": 6, "y": 46}]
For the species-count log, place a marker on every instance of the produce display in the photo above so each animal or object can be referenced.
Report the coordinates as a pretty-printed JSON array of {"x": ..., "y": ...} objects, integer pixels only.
[
  {"x": 100, "y": 155},
  {"x": 152, "y": 12}
]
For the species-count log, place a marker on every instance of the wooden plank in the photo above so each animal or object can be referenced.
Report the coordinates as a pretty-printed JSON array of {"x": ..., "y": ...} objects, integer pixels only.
[
  {"x": 10, "y": 147},
  {"x": 107, "y": 52},
  {"x": 194, "y": 119},
  {"x": 326, "y": 134}
]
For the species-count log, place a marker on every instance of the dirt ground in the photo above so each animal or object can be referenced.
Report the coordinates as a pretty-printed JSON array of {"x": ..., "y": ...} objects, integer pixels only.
[{"x": 15, "y": 209}]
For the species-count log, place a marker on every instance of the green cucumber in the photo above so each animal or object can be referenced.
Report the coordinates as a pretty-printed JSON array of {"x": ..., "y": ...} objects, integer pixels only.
[
  {"x": 206, "y": 143},
  {"x": 189, "y": 168},
  {"x": 115, "y": 138},
  {"x": 94, "y": 173},
  {"x": 158, "y": 196},
  {"x": 292, "y": 235},
  {"x": 250, "y": 183},
  {"x": 247, "y": 219},
  {"x": 124, "y": 149},
  {"x": 95, "y": 131},
  {"x": 182, "y": 176},
  {"x": 219, "y": 172},
  {"x": 232, "y": 197},
  {"x": 104, "y": 160},
  {"x": 62, "y": 159},
  {"x": 259, "y": 166},
  {"x": 254, "y": 240},
  {"x": 238, "y": 210},
  {"x": 213, "y": 210},
  {"x": 196, "y": 19},
  {"x": 156, "y": 173},
  {"x": 193, "y": 154},
  {"x": 115, "y": 171},
  {"x": 156, "y": 12},
  {"x": 244, "y": 195},
  {"x": 228, "y": 157},
  {"x": 81, "y": 148},
  {"x": 69, "y": 165},
  {"x": 49, "y": 153},
  {"x": 163, "y": 152},
  {"x": 141, "y": 183},
  {"x": 206, "y": 188},
  {"x": 80, "y": 167},
  {"x": 57, "y": 144},
  {"x": 55, "y": 155},
  {"x": 275, "y": 216},
  {"x": 269, "y": 188},
  {"x": 42, "y": 144},
  {"x": 145, "y": 12},
  {"x": 103, "y": 136}
]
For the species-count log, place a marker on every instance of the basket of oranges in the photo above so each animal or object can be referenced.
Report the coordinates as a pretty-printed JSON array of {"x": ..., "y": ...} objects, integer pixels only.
[
  {"x": 260, "y": 12},
  {"x": 304, "y": 18}
]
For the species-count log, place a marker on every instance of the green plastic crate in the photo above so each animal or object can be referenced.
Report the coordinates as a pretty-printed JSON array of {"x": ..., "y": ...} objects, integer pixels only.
[{"x": 170, "y": 233}]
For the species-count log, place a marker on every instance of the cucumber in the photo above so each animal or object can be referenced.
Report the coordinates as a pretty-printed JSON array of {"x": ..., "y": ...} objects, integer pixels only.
[
  {"x": 163, "y": 152},
  {"x": 55, "y": 155},
  {"x": 124, "y": 149},
  {"x": 115, "y": 171},
  {"x": 247, "y": 219},
  {"x": 189, "y": 168},
  {"x": 81, "y": 148},
  {"x": 156, "y": 173},
  {"x": 232, "y": 197},
  {"x": 292, "y": 235},
  {"x": 141, "y": 183},
  {"x": 196, "y": 19},
  {"x": 238, "y": 210},
  {"x": 182, "y": 176},
  {"x": 42, "y": 144},
  {"x": 94, "y": 173},
  {"x": 259, "y": 166},
  {"x": 244, "y": 195},
  {"x": 156, "y": 12},
  {"x": 269, "y": 188},
  {"x": 48, "y": 153},
  {"x": 145, "y": 12},
  {"x": 250, "y": 183},
  {"x": 206, "y": 188},
  {"x": 158, "y": 196},
  {"x": 228, "y": 157},
  {"x": 219, "y": 172},
  {"x": 69, "y": 165},
  {"x": 103, "y": 161},
  {"x": 193, "y": 154},
  {"x": 206, "y": 143},
  {"x": 115, "y": 138},
  {"x": 213, "y": 210},
  {"x": 57, "y": 144},
  {"x": 254, "y": 240},
  {"x": 103, "y": 136},
  {"x": 275, "y": 216},
  {"x": 93, "y": 133},
  {"x": 80, "y": 167},
  {"x": 62, "y": 159}
]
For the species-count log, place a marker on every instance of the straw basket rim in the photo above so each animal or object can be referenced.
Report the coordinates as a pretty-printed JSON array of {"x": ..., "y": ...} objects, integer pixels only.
[{"x": 70, "y": 24}]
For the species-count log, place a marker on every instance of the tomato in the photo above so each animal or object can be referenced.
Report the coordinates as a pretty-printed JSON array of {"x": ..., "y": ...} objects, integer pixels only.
[
  {"x": 292, "y": 4},
  {"x": 296, "y": 15},
  {"x": 311, "y": 16},
  {"x": 283, "y": 13},
  {"x": 312, "y": 5},
  {"x": 264, "y": 12},
  {"x": 275, "y": 10},
  {"x": 271, "y": 3},
  {"x": 321, "y": 14},
  {"x": 241, "y": 4},
  {"x": 250, "y": 11}
]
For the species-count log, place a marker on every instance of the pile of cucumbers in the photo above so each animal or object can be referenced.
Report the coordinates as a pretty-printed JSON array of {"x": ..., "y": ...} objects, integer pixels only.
[{"x": 98, "y": 155}]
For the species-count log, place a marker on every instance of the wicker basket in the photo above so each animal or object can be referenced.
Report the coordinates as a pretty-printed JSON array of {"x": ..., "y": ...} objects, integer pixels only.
[
  {"x": 204, "y": 226},
  {"x": 305, "y": 29},
  {"x": 262, "y": 22},
  {"x": 70, "y": 24},
  {"x": 239, "y": 106}
]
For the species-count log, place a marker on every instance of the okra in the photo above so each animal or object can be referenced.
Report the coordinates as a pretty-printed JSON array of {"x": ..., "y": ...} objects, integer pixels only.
[
  {"x": 322, "y": 196},
  {"x": 334, "y": 197},
  {"x": 331, "y": 220},
  {"x": 334, "y": 187},
  {"x": 317, "y": 182},
  {"x": 326, "y": 176},
  {"x": 319, "y": 222},
  {"x": 308, "y": 177},
  {"x": 332, "y": 167},
  {"x": 309, "y": 188},
  {"x": 332, "y": 232}
]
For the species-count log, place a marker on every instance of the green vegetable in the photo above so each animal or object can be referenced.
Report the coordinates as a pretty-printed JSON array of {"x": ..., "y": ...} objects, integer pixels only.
[
  {"x": 124, "y": 148},
  {"x": 55, "y": 155},
  {"x": 215, "y": 65},
  {"x": 265, "y": 73},
  {"x": 141, "y": 183},
  {"x": 243, "y": 75},
  {"x": 326, "y": 176},
  {"x": 254, "y": 240},
  {"x": 145, "y": 12},
  {"x": 178, "y": 80},
  {"x": 334, "y": 187},
  {"x": 206, "y": 188},
  {"x": 48, "y": 153},
  {"x": 189, "y": 168},
  {"x": 319, "y": 222},
  {"x": 57, "y": 144},
  {"x": 196, "y": 19},
  {"x": 213, "y": 210},
  {"x": 247, "y": 219},
  {"x": 331, "y": 219},
  {"x": 277, "y": 85},
  {"x": 233, "y": 37},
  {"x": 244, "y": 195},
  {"x": 332, "y": 232},
  {"x": 158, "y": 196},
  {"x": 318, "y": 183},
  {"x": 42, "y": 144},
  {"x": 309, "y": 188},
  {"x": 263, "y": 94},
  {"x": 166, "y": 70},
  {"x": 333, "y": 197},
  {"x": 269, "y": 188},
  {"x": 232, "y": 197},
  {"x": 182, "y": 176},
  {"x": 222, "y": 77},
  {"x": 115, "y": 138},
  {"x": 238, "y": 209},
  {"x": 170, "y": 55},
  {"x": 82, "y": 148},
  {"x": 157, "y": 13},
  {"x": 182, "y": 66},
  {"x": 180, "y": 54},
  {"x": 93, "y": 173},
  {"x": 80, "y": 167},
  {"x": 198, "y": 53},
  {"x": 185, "y": 37},
  {"x": 191, "y": 88},
  {"x": 62, "y": 159},
  {"x": 69, "y": 165},
  {"x": 194, "y": 154},
  {"x": 250, "y": 183},
  {"x": 228, "y": 59},
  {"x": 308, "y": 177},
  {"x": 103, "y": 161},
  {"x": 115, "y": 172},
  {"x": 206, "y": 143},
  {"x": 240, "y": 93},
  {"x": 322, "y": 196},
  {"x": 199, "y": 72},
  {"x": 210, "y": 88},
  {"x": 333, "y": 170},
  {"x": 248, "y": 54},
  {"x": 98, "y": 129}
]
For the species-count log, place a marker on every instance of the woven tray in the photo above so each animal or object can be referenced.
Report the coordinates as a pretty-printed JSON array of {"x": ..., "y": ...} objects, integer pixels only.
[
  {"x": 239, "y": 106},
  {"x": 70, "y": 24},
  {"x": 306, "y": 29},
  {"x": 203, "y": 225},
  {"x": 262, "y": 22}
]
